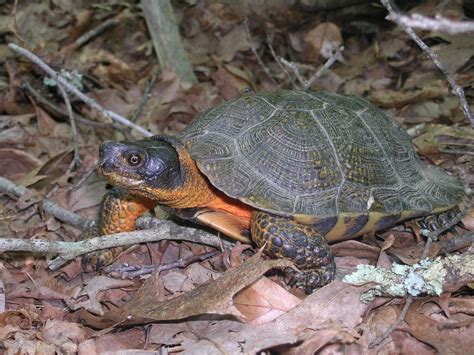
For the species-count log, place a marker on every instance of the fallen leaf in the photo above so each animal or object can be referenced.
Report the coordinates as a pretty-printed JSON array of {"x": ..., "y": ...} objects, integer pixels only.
[
  {"x": 323, "y": 40},
  {"x": 264, "y": 301},
  {"x": 392, "y": 98},
  {"x": 430, "y": 142},
  {"x": 212, "y": 298},
  {"x": 64, "y": 335},
  {"x": 445, "y": 339},
  {"x": 16, "y": 163},
  {"x": 114, "y": 342},
  {"x": 94, "y": 286},
  {"x": 232, "y": 43}
]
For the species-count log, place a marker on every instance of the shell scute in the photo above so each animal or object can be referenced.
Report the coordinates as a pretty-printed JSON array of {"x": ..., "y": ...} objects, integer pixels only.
[{"x": 304, "y": 153}]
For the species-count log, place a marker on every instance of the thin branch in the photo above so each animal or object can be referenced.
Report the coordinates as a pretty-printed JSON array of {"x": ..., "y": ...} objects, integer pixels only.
[
  {"x": 277, "y": 60},
  {"x": 325, "y": 67},
  {"x": 86, "y": 37},
  {"x": 400, "y": 319},
  {"x": 132, "y": 271},
  {"x": 145, "y": 98},
  {"x": 306, "y": 84},
  {"x": 255, "y": 53},
  {"x": 56, "y": 111},
  {"x": 76, "y": 162},
  {"x": 70, "y": 250},
  {"x": 458, "y": 91},
  {"x": 72, "y": 89},
  {"x": 438, "y": 24},
  {"x": 7, "y": 186},
  {"x": 292, "y": 66}
]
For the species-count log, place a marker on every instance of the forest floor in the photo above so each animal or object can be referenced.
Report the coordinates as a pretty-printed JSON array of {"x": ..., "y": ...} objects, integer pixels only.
[{"x": 201, "y": 299}]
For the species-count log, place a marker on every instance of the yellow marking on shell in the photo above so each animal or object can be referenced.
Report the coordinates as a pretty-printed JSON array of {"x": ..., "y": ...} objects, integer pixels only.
[{"x": 339, "y": 230}]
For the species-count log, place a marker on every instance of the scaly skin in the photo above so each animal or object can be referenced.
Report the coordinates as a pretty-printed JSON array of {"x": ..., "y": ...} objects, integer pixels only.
[
  {"x": 175, "y": 182},
  {"x": 118, "y": 213},
  {"x": 282, "y": 237}
]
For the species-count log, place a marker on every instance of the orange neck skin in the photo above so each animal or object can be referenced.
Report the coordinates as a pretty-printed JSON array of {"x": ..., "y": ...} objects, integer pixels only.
[
  {"x": 195, "y": 192},
  {"x": 225, "y": 203}
]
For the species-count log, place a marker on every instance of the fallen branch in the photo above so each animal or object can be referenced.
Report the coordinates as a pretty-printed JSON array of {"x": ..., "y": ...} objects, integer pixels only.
[
  {"x": 162, "y": 229},
  {"x": 163, "y": 30},
  {"x": 428, "y": 277},
  {"x": 306, "y": 84},
  {"x": 7, "y": 186},
  {"x": 70, "y": 250},
  {"x": 438, "y": 24},
  {"x": 132, "y": 271},
  {"x": 458, "y": 91},
  {"x": 73, "y": 90}
]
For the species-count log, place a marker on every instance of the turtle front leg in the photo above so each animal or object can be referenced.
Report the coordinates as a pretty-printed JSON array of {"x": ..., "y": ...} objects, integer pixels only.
[
  {"x": 118, "y": 213},
  {"x": 282, "y": 237}
]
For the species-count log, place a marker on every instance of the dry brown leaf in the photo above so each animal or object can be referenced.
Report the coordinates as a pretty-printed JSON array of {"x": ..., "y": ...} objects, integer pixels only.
[
  {"x": 94, "y": 286},
  {"x": 324, "y": 338},
  {"x": 45, "y": 122},
  {"x": 431, "y": 141},
  {"x": 16, "y": 163},
  {"x": 64, "y": 335},
  {"x": 23, "y": 344},
  {"x": 211, "y": 298},
  {"x": 233, "y": 42},
  {"x": 225, "y": 82},
  {"x": 264, "y": 301},
  {"x": 113, "y": 343},
  {"x": 445, "y": 336},
  {"x": 323, "y": 40},
  {"x": 337, "y": 303},
  {"x": 392, "y": 98},
  {"x": 356, "y": 249}
]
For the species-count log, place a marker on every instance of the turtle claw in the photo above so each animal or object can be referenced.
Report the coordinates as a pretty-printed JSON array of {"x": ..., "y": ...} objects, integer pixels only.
[
  {"x": 98, "y": 259},
  {"x": 310, "y": 280},
  {"x": 281, "y": 237}
]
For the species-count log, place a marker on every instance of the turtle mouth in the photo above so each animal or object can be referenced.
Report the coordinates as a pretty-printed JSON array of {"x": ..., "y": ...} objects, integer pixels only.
[{"x": 118, "y": 176}]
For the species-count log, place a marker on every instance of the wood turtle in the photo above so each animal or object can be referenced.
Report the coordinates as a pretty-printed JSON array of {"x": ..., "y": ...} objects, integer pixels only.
[{"x": 288, "y": 170}]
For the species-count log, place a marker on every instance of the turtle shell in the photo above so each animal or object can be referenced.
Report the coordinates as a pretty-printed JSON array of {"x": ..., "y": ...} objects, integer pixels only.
[{"x": 316, "y": 154}]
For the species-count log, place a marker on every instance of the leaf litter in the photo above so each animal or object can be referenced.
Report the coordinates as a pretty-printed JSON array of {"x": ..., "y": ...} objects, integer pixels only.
[{"x": 203, "y": 308}]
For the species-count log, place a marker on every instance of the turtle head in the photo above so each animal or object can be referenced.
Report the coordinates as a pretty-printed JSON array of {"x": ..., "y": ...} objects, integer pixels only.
[{"x": 158, "y": 168}]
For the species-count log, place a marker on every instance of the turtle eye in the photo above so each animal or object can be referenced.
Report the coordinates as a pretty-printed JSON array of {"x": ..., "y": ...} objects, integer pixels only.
[{"x": 134, "y": 159}]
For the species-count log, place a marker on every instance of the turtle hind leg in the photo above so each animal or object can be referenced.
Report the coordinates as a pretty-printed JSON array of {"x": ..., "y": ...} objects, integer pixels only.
[
  {"x": 282, "y": 237},
  {"x": 435, "y": 222}
]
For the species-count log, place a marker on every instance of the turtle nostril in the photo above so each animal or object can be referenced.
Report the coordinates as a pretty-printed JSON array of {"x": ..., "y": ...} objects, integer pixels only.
[{"x": 105, "y": 149}]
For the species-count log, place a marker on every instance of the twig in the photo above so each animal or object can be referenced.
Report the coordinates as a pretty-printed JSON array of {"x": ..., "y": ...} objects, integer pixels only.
[
  {"x": 76, "y": 161},
  {"x": 438, "y": 24},
  {"x": 325, "y": 67},
  {"x": 14, "y": 27},
  {"x": 255, "y": 53},
  {"x": 7, "y": 186},
  {"x": 71, "y": 250},
  {"x": 458, "y": 91},
  {"x": 306, "y": 84},
  {"x": 277, "y": 60},
  {"x": 145, "y": 98},
  {"x": 51, "y": 108},
  {"x": 400, "y": 318},
  {"x": 72, "y": 89},
  {"x": 431, "y": 236},
  {"x": 86, "y": 37},
  {"x": 130, "y": 272}
]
